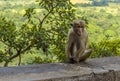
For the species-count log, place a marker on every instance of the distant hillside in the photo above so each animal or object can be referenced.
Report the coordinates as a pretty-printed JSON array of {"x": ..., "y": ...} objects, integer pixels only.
[{"x": 80, "y": 1}]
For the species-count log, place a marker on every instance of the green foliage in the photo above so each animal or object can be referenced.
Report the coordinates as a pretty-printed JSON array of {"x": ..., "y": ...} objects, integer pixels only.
[
  {"x": 34, "y": 33},
  {"x": 44, "y": 27},
  {"x": 57, "y": 16},
  {"x": 106, "y": 47},
  {"x": 44, "y": 59},
  {"x": 2, "y": 56},
  {"x": 15, "y": 41}
]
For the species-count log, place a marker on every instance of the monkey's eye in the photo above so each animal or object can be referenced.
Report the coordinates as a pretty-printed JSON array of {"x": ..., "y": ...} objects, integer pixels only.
[{"x": 79, "y": 26}]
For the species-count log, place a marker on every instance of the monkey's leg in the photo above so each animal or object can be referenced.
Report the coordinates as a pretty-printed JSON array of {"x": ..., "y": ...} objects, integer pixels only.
[
  {"x": 86, "y": 54},
  {"x": 78, "y": 54}
]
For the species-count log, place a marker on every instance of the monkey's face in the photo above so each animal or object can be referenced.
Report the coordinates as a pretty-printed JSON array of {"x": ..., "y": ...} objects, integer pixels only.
[{"x": 78, "y": 28}]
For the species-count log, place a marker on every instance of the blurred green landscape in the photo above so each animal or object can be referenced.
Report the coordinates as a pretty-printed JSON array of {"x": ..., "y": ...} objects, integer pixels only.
[{"x": 24, "y": 39}]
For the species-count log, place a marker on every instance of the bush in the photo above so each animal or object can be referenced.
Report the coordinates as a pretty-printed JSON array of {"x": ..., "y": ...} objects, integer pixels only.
[
  {"x": 44, "y": 59},
  {"x": 106, "y": 47}
]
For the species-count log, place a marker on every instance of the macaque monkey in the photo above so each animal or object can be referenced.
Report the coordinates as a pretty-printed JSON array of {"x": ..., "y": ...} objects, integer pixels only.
[{"x": 77, "y": 43}]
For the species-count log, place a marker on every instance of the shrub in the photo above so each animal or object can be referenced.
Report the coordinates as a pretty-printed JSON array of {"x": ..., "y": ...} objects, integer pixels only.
[{"x": 106, "y": 47}]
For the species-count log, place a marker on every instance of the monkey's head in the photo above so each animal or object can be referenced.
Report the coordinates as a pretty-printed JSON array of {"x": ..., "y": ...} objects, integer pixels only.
[{"x": 78, "y": 26}]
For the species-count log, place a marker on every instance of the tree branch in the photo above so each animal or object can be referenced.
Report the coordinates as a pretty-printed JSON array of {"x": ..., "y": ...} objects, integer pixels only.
[
  {"x": 19, "y": 52},
  {"x": 41, "y": 21}
]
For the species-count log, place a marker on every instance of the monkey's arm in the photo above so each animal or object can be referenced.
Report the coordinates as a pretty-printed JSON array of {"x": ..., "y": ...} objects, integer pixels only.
[
  {"x": 83, "y": 45},
  {"x": 70, "y": 45},
  {"x": 80, "y": 51},
  {"x": 87, "y": 52},
  {"x": 86, "y": 41}
]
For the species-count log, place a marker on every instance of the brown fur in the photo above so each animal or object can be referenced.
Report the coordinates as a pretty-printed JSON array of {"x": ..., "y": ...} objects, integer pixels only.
[{"x": 77, "y": 42}]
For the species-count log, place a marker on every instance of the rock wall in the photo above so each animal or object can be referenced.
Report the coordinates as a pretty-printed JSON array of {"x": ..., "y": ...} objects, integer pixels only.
[{"x": 102, "y": 69}]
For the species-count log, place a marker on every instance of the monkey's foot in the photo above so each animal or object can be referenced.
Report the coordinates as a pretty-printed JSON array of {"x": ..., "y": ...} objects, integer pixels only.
[
  {"x": 85, "y": 55},
  {"x": 72, "y": 61}
]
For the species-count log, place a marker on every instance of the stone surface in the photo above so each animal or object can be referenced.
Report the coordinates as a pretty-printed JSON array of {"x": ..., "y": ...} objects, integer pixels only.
[{"x": 102, "y": 69}]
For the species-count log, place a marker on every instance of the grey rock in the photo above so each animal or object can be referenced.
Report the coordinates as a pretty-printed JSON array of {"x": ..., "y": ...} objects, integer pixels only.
[{"x": 98, "y": 69}]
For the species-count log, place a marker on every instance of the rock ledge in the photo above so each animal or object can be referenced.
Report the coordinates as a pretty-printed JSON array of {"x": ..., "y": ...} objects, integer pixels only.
[{"x": 102, "y": 69}]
